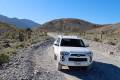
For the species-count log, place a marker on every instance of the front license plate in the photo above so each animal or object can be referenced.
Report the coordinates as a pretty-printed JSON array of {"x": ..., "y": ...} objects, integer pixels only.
[{"x": 77, "y": 63}]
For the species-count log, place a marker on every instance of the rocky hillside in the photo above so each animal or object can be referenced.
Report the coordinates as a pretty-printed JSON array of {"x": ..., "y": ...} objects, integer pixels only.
[
  {"x": 68, "y": 25},
  {"x": 109, "y": 28},
  {"x": 76, "y": 25},
  {"x": 21, "y": 23},
  {"x": 6, "y": 28}
]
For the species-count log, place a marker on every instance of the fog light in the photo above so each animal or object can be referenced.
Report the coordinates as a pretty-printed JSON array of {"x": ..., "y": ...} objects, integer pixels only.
[
  {"x": 62, "y": 58},
  {"x": 64, "y": 53},
  {"x": 90, "y": 58}
]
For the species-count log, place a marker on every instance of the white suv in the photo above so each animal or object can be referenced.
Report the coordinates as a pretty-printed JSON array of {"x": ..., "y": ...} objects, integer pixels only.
[{"x": 71, "y": 51}]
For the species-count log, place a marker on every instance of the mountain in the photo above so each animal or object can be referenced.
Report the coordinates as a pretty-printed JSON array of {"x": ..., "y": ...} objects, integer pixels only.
[
  {"x": 6, "y": 30},
  {"x": 77, "y": 25},
  {"x": 21, "y": 23},
  {"x": 68, "y": 25},
  {"x": 109, "y": 28},
  {"x": 4, "y": 27}
]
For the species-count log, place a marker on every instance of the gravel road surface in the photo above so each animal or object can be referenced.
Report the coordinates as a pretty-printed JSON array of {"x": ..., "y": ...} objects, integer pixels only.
[
  {"x": 105, "y": 67},
  {"x": 37, "y": 63}
]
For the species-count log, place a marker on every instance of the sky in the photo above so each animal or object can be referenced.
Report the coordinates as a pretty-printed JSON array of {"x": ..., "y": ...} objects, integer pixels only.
[{"x": 41, "y": 11}]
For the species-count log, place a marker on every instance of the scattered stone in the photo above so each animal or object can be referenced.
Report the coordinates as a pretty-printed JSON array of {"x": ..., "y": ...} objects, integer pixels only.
[
  {"x": 111, "y": 53},
  {"x": 22, "y": 65}
]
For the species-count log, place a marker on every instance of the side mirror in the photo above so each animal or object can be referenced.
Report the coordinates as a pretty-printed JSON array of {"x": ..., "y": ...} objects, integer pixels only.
[
  {"x": 86, "y": 45},
  {"x": 56, "y": 44}
]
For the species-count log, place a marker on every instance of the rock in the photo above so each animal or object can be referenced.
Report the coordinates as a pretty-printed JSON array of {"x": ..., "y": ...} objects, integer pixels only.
[{"x": 22, "y": 66}]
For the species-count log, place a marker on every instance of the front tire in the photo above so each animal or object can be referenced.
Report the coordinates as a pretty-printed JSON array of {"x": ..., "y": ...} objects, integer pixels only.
[
  {"x": 87, "y": 68},
  {"x": 59, "y": 67},
  {"x": 55, "y": 57},
  {"x": 71, "y": 67}
]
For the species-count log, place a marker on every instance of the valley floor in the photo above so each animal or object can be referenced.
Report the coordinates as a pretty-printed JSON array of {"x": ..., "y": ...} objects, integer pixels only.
[{"x": 37, "y": 63}]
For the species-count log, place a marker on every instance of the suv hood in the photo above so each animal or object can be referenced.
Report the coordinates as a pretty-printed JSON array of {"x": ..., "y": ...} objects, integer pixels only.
[{"x": 75, "y": 49}]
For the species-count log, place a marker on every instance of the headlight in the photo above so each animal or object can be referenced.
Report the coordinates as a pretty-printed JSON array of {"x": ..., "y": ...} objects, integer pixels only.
[
  {"x": 89, "y": 53},
  {"x": 64, "y": 53}
]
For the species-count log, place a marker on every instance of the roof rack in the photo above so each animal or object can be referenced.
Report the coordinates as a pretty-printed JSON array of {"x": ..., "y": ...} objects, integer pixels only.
[{"x": 68, "y": 36}]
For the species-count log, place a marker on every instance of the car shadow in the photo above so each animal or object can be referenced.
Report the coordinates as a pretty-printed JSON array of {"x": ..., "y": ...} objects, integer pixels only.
[{"x": 99, "y": 71}]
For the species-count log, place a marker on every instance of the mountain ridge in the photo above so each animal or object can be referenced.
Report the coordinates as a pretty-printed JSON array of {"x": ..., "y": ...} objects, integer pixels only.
[
  {"x": 62, "y": 25},
  {"x": 79, "y": 25},
  {"x": 68, "y": 24},
  {"x": 21, "y": 23}
]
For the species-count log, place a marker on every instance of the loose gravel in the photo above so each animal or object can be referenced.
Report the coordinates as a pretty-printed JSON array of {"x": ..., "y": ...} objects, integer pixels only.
[
  {"x": 22, "y": 66},
  {"x": 106, "y": 48},
  {"x": 36, "y": 63}
]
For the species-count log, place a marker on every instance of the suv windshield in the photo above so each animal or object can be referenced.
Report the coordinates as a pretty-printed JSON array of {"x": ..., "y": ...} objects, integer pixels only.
[{"x": 72, "y": 42}]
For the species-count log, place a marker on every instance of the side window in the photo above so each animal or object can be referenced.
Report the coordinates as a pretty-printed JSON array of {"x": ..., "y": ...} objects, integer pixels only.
[
  {"x": 58, "y": 41},
  {"x": 82, "y": 43}
]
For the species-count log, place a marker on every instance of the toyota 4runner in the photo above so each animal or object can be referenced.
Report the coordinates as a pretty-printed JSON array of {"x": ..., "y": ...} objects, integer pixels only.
[{"x": 71, "y": 51}]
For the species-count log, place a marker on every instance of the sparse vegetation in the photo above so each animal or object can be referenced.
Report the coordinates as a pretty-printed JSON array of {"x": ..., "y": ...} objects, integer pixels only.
[
  {"x": 8, "y": 51},
  {"x": 18, "y": 45},
  {"x": 109, "y": 38},
  {"x": 4, "y": 58},
  {"x": 111, "y": 43},
  {"x": 12, "y": 38},
  {"x": 5, "y": 55},
  {"x": 96, "y": 39}
]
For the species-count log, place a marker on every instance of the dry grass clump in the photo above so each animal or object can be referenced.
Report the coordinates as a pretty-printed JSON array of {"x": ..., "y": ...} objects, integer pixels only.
[
  {"x": 4, "y": 58},
  {"x": 5, "y": 55}
]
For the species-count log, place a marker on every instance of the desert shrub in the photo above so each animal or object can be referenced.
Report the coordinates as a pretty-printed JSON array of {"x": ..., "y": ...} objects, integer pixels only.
[
  {"x": 118, "y": 47},
  {"x": 21, "y": 37},
  {"x": 111, "y": 43},
  {"x": 66, "y": 33},
  {"x": 19, "y": 45},
  {"x": 6, "y": 44},
  {"x": 4, "y": 58},
  {"x": 36, "y": 40},
  {"x": 96, "y": 39},
  {"x": 45, "y": 33},
  {"x": 28, "y": 32},
  {"x": 5, "y": 54},
  {"x": 9, "y": 51}
]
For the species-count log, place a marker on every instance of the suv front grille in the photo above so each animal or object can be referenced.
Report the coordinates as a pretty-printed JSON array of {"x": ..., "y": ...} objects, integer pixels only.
[
  {"x": 77, "y": 59},
  {"x": 77, "y": 55}
]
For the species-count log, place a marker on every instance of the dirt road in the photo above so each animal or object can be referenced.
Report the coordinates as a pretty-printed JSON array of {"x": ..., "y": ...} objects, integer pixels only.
[
  {"x": 37, "y": 63},
  {"x": 104, "y": 67}
]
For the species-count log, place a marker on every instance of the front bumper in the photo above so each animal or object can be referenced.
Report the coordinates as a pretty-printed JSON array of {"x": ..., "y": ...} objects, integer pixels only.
[
  {"x": 68, "y": 62},
  {"x": 71, "y": 63}
]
